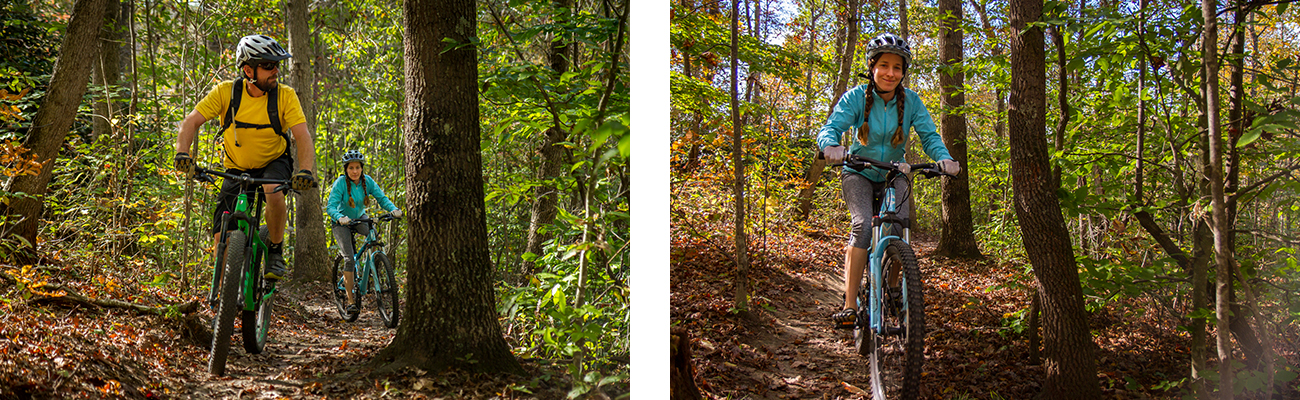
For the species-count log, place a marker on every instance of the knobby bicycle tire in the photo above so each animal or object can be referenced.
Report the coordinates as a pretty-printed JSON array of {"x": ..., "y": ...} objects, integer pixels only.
[
  {"x": 257, "y": 322},
  {"x": 340, "y": 296},
  {"x": 386, "y": 295},
  {"x": 229, "y": 303},
  {"x": 897, "y": 353}
]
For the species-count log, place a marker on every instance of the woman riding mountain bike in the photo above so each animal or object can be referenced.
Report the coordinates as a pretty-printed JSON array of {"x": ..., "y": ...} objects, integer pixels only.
[
  {"x": 347, "y": 201},
  {"x": 884, "y": 112}
]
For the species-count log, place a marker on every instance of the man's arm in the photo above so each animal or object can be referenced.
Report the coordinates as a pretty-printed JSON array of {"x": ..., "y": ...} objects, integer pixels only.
[
  {"x": 189, "y": 130},
  {"x": 306, "y": 150}
]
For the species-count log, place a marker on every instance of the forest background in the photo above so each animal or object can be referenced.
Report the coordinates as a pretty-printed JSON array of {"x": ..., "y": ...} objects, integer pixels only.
[
  {"x": 119, "y": 224},
  {"x": 1124, "y": 131}
]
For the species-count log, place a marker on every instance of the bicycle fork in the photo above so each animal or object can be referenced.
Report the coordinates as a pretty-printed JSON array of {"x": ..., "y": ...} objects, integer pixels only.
[{"x": 883, "y": 222}]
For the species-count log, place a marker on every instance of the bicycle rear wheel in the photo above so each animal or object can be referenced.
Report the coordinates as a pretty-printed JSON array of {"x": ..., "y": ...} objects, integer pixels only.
[
  {"x": 229, "y": 302},
  {"x": 862, "y": 330},
  {"x": 897, "y": 351},
  {"x": 386, "y": 290},
  {"x": 339, "y": 288}
]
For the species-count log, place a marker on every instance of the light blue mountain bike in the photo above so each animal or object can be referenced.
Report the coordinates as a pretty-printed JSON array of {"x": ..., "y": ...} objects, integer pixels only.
[
  {"x": 374, "y": 275},
  {"x": 890, "y": 327}
]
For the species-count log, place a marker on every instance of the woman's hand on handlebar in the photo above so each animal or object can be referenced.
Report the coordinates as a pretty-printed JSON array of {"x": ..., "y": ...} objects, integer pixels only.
[
  {"x": 949, "y": 166},
  {"x": 835, "y": 154}
]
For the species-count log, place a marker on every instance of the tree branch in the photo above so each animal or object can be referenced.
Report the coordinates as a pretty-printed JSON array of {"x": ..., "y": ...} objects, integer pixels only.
[
  {"x": 72, "y": 297},
  {"x": 1262, "y": 182},
  {"x": 550, "y": 104},
  {"x": 1270, "y": 235},
  {"x": 1149, "y": 224}
]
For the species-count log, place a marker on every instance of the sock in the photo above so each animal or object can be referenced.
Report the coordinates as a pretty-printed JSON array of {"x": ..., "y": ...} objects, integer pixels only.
[{"x": 275, "y": 248}]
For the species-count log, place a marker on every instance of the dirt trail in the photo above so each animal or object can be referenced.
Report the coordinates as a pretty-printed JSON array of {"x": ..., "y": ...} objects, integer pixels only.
[
  {"x": 56, "y": 352},
  {"x": 308, "y": 342},
  {"x": 787, "y": 348}
]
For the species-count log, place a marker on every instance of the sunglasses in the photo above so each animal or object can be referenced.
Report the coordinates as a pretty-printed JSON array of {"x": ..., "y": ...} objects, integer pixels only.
[{"x": 269, "y": 65}]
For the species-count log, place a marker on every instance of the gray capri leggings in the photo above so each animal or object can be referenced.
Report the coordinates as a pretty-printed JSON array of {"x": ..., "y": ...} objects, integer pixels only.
[
  {"x": 859, "y": 194},
  {"x": 343, "y": 236}
]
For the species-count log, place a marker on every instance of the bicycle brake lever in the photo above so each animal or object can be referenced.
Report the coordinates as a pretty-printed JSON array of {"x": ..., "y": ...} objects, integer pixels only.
[{"x": 203, "y": 177}]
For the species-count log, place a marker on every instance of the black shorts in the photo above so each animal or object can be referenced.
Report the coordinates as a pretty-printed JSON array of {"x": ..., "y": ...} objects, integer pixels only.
[{"x": 280, "y": 168}]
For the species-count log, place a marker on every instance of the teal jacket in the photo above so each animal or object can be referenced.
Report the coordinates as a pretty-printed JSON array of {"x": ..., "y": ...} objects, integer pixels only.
[
  {"x": 338, "y": 204},
  {"x": 848, "y": 114}
]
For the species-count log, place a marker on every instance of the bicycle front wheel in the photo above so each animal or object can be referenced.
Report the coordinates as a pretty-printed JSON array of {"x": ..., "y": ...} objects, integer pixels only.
[
  {"x": 229, "y": 303},
  {"x": 257, "y": 323},
  {"x": 897, "y": 351},
  {"x": 386, "y": 290}
]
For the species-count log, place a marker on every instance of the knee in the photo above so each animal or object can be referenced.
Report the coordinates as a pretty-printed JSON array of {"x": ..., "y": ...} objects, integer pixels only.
[{"x": 349, "y": 265}]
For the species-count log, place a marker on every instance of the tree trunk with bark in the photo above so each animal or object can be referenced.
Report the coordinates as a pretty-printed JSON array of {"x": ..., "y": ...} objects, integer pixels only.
[
  {"x": 958, "y": 238},
  {"x": 1221, "y": 225},
  {"x": 54, "y": 118},
  {"x": 547, "y": 196},
  {"x": 846, "y": 54},
  {"x": 451, "y": 318},
  {"x": 738, "y": 158},
  {"x": 1067, "y": 345},
  {"x": 311, "y": 251},
  {"x": 681, "y": 376},
  {"x": 106, "y": 70}
]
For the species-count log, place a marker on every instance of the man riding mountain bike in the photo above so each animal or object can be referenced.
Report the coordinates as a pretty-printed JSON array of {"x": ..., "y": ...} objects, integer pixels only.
[{"x": 253, "y": 111}]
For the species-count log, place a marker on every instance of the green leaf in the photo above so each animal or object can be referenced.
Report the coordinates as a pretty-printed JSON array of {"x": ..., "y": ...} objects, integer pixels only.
[{"x": 625, "y": 145}]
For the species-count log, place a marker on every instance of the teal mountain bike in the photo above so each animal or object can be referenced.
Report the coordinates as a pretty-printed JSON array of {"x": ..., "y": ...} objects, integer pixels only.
[
  {"x": 374, "y": 276},
  {"x": 237, "y": 283},
  {"x": 890, "y": 326}
]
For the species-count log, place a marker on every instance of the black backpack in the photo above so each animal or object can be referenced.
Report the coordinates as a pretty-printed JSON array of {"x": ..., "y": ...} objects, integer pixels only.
[{"x": 272, "y": 109}]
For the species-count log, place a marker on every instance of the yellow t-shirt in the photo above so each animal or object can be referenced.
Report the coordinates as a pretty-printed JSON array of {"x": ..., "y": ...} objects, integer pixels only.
[{"x": 252, "y": 148}]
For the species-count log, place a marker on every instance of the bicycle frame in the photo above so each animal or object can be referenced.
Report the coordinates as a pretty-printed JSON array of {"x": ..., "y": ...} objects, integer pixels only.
[
  {"x": 366, "y": 262},
  {"x": 248, "y": 190}
]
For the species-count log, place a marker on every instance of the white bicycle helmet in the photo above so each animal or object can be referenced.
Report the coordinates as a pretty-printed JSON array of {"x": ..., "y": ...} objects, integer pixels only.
[
  {"x": 889, "y": 43},
  {"x": 259, "y": 47}
]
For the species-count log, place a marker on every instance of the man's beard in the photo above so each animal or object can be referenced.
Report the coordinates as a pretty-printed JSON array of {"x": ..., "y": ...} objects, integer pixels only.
[{"x": 265, "y": 85}]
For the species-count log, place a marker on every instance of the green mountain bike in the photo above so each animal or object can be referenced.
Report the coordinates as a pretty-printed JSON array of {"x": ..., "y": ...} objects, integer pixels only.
[{"x": 237, "y": 283}]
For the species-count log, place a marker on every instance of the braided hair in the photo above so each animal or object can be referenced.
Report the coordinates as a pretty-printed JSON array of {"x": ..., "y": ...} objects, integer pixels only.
[{"x": 899, "y": 135}]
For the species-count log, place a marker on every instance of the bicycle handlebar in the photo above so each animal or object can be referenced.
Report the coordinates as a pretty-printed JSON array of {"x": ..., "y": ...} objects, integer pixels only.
[
  {"x": 202, "y": 175},
  {"x": 382, "y": 218},
  {"x": 858, "y": 163}
]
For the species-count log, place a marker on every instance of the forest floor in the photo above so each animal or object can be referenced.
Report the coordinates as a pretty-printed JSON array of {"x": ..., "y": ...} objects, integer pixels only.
[
  {"x": 786, "y": 347},
  {"x": 57, "y": 351}
]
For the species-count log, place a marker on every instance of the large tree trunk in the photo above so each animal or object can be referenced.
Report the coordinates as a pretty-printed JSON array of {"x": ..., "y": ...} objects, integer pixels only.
[
  {"x": 738, "y": 158},
  {"x": 1067, "y": 345},
  {"x": 681, "y": 375},
  {"x": 1221, "y": 225},
  {"x": 547, "y": 197},
  {"x": 311, "y": 253},
  {"x": 958, "y": 238},
  {"x": 54, "y": 118},
  {"x": 451, "y": 315}
]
